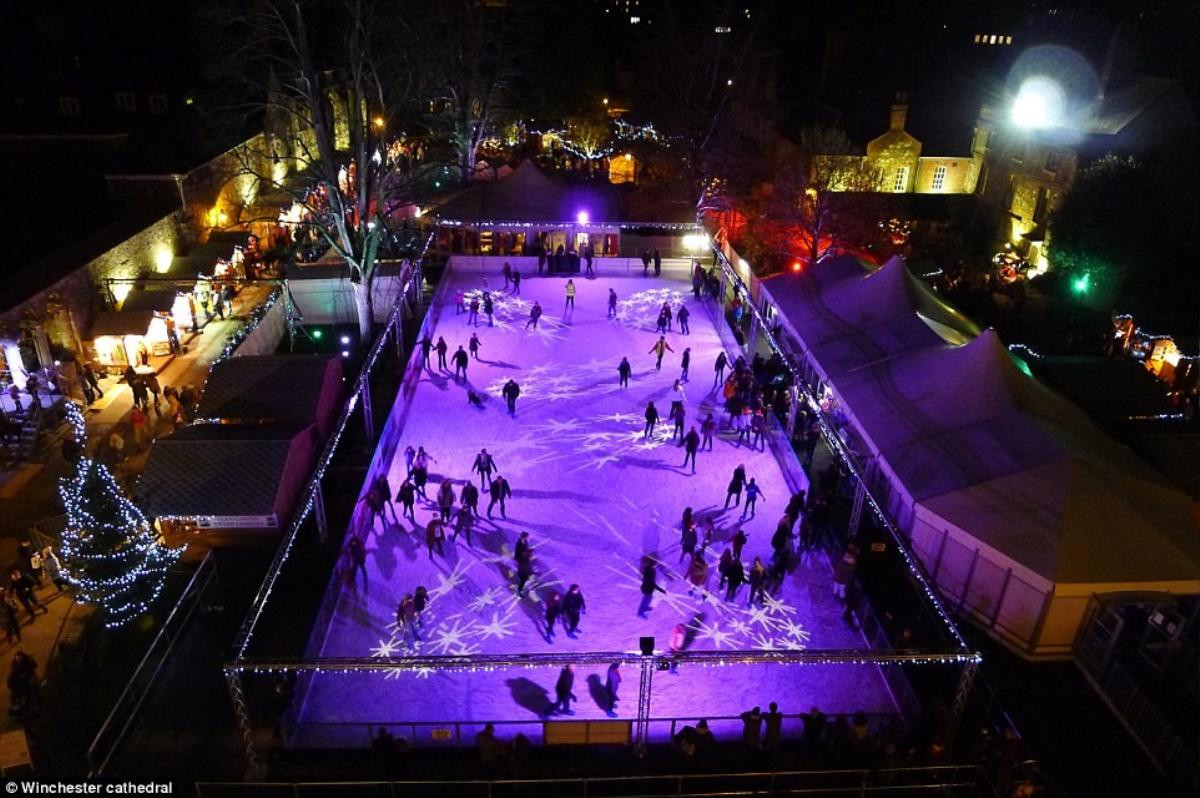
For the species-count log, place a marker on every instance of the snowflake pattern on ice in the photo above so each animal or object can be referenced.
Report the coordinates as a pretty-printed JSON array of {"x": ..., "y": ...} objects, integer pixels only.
[
  {"x": 451, "y": 638},
  {"x": 499, "y": 628},
  {"x": 488, "y": 597}
]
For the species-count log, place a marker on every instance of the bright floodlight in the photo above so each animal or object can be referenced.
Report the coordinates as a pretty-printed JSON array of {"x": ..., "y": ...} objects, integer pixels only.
[
  {"x": 582, "y": 217},
  {"x": 1039, "y": 103}
]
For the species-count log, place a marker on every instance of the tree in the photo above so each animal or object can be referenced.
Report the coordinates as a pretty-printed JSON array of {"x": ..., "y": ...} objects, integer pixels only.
[
  {"x": 340, "y": 81},
  {"x": 110, "y": 554},
  {"x": 468, "y": 66},
  {"x": 820, "y": 198},
  {"x": 1116, "y": 235}
]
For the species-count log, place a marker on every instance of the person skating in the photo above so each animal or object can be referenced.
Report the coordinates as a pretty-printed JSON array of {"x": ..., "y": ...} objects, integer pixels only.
[
  {"x": 685, "y": 360},
  {"x": 691, "y": 445},
  {"x": 758, "y": 582},
  {"x": 473, "y": 316},
  {"x": 570, "y": 303},
  {"x": 758, "y": 425},
  {"x": 500, "y": 491},
  {"x": 649, "y": 585},
  {"x": 651, "y": 419},
  {"x": 657, "y": 262},
  {"x": 442, "y": 347},
  {"x": 719, "y": 368},
  {"x": 687, "y": 539},
  {"x": 734, "y": 491},
  {"x": 435, "y": 535},
  {"x": 507, "y": 272},
  {"x": 522, "y": 545},
  {"x": 660, "y": 348},
  {"x": 524, "y": 571},
  {"x": 485, "y": 464},
  {"x": 573, "y": 606},
  {"x": 708, "y": 428},
  {"x": 410, "y": 455},
  {"x": 473, "y": 345},
  {"x": 470, "y": 498},
  {"x": 553, "y": 610},
  {"x": 535, "y": 313},
  {"x": 420, "y": 472},
  {"x": 682, "y": 317},
  {"x": 406, "y": 616},
  {"x": 516, "y": 283},
  {"x": 738, "y": 541},
  {"x": 445, "y": 500},
  {"x": 464, "y": 520},
  {"x": 461, "y": 359},
  {"x": 562, "y": 689},
  {"x": 678, "y": 416},
  {"x": 420, "y": 602},
  {"x": 488, "y": 308},
  {"x": 588, "y": 253},
  {"x": 735, "y": 575},
  {"x": 645, "y": 262},
  {"x": 612, "y": 303},
  {"x": 666, "y": 315},
  {"x": 624, "y": 370},
  {"x": 385, "y": 492},
  {"x": 697, "y": 574},
  {"x": 753, "y": 493},
  {"x": 408, "y": 497},
  {"x": 723, "y": 564},
  {"x": 612, "y": 684},
  {"x": 426, "y": 344},
  {"x": 510, "y": 392}
]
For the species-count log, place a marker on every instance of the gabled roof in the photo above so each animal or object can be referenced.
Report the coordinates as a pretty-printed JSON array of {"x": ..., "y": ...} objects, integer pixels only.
[
  {"x": 267, "y": 387},
  {"x": 216, "y": 469},
  {"x": 161, "y": 300},
  {"x": 853, "y": 322},
  {"x": 531, "y": 195},
  {"x": 991, "y": 450},
  {"x": 133, "y": 322}
]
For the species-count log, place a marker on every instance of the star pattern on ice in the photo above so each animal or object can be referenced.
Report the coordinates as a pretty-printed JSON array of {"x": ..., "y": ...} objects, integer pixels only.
[
  {"x": 452, "y": 638},
  {"x": 778, "y": 605},
  {"x": 499, "y": 628},
  {"x": 738, "y": 626},
  {"x": 715, "y": 635},
  {"x": 386, "y": 648},
  {"x": 488, "y": 597},
  {"x": 762, "y": 617},
  {"x": 448, "y": 582}
]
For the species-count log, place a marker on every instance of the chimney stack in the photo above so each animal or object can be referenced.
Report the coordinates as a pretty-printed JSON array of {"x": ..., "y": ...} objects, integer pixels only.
[{"x": 899, "y": 112}]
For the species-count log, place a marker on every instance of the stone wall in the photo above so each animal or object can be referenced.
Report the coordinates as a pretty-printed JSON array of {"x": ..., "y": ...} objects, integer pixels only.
[{"x": 959, "y": 179}]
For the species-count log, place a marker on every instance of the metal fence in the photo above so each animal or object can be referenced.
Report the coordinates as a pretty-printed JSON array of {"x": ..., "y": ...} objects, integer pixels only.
[{"x": 948, "y": 781}]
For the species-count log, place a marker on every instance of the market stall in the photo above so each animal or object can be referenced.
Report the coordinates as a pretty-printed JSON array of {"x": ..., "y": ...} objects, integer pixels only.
[{"x": 129, "y": 338}]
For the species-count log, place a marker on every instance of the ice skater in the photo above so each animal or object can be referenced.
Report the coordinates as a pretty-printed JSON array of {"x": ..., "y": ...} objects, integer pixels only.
[
  {"x": 420, "y": 473},
  {"x": 553, "y": 610},
  {"x": 612, "y": 304},
  {"x": 442, "y": 347},
  {"x": 500, "y": 492},
  {"x": 406, "y": 617},
  {"x": 624, "y": 370},
  {"x": 719, "y": 369},
  {"x": 738, "y": 541},
  {"x": 488, "y": 307},
  {"x": 385, "y": 493},
  {"x": 375, "y": 507},
  {"x": 426, "y": 345},
  {"x": 735, "y": 574},
  {"x": 420, "y": 603},
  {"x": 708, "y": 428},
  {"x": 651, "y": 419},
  {"x": 507, "y": 272},
  {"x": 461, "y": 359},
  {"x": 649, "y": 585},
  {"x": 435, "y": 535},
  {"x": 734, "y": 491},
  {"x": 573, "y": 606},
  {"x": 408, "y": 497},
  {"x": 682, "y": 318},
  {"x": 684, "y": 361},
  {"x": 516, "y": 277},
  {"x": 464, "y": 520},
  {"x": 691, "y": 445},
  {"x": 445, "y": 500},
  {"x": 677, "y": 415},
  {"x": 570, "y": 303},
  {"x": 753, "y": 493},
  {"x": 511, "y": 391},
  {"x": 758, "y": 582},
  {"x": 485, "y": 464},
  {"x": 473, "y": 345},
  {"x": 355, "y": 550},
  {"x": 535, "y": 313},
  {"x": 660, "y": 348},
  {"x": 524, "y": 571},
  {"x": 410, "y": 454},
  {"x": 473, "y": 316}
]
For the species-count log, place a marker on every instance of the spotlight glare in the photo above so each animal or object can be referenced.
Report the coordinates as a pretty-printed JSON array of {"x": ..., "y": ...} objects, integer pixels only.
[{"x": 1039, "y": 104}]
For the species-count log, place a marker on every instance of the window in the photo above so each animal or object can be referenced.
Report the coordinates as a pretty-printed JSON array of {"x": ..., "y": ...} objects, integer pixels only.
[
  {"x": 68, "y": 106},
  {"x": 157, "y": 103},
  {"x": 126, "y": 101},
  {"x": 900, "y": 183},
  {"x": 939, "y": 179}
]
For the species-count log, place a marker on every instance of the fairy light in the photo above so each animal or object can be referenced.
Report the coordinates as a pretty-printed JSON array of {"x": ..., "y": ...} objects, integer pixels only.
[
  {"x": 308, "y": 498},
  {"x": 110, "y": 553}
]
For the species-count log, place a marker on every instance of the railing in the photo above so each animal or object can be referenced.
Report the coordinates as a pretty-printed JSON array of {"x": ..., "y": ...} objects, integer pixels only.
[
  {"x": 457, "y": 734},
  {"x": 941, "y": 780},
  {"x": 310, "y": 496},
  {"x": 125, "y": 710}
]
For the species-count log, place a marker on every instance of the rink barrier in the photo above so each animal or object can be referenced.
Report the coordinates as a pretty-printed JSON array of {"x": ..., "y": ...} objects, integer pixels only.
[{"x": 945, "y": 781}]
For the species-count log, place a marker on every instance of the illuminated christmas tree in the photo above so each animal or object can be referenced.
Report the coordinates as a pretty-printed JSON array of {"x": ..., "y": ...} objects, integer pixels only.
[{"x": 110, "y": 554}]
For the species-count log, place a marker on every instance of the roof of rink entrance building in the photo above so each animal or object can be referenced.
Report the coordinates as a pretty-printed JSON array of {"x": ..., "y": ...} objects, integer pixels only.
[
  {"x": 601, "y": 499},
  {"x": 1014, "y": 501},
  {"x": 530, "y": 196}
]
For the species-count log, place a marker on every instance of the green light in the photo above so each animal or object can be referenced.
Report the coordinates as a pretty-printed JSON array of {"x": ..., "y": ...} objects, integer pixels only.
[
  {"x": 317, "y": 334},
  {"x": 1082, "y": 283}
]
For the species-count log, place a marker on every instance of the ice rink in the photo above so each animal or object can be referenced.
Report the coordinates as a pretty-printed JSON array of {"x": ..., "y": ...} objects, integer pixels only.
[{"x": 596, "y": 496}]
